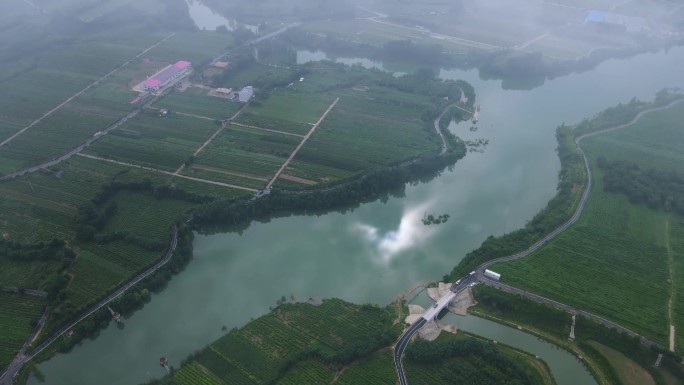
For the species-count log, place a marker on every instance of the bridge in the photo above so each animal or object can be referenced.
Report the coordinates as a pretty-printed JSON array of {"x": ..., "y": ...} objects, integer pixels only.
[
  {"x": 429, "y": 315},
  {"x": 478, "y": 274}
]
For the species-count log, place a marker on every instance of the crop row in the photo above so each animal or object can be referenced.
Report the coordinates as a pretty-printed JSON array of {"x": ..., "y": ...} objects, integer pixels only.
[
  {"x": 17, "y": 312},
  {"x": 54, "y": 136},
  {"x": 194, "y": 47},
  {"x": 219, "y": 176},
  {"x": 145, "y": 216},
  {"x": 309, "y": 372},
  {"x": 273, "y": 123},
  {"x": 378, "y": 370},
  {"x": 198, "y": 103},
  {"x": 291, "y": 105},
  {"x": 593, "y": 265},
  {"x": 91, "y": 280},
  {"x": 23, "y": 220},
  {"x": 240, "y": 161},
  {"x": 388, "y": 103},
  {"x": 195, "y": 374},
  {"x": 223, "y": 369}
]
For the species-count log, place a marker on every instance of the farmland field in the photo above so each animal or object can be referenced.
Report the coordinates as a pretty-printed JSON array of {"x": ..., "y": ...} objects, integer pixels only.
[
  {"x": 348, "y": 139},
  {"x": 630, "y": 372},
  {"x": 142, "y": 214},
  {"x": 158, "y": 142},
  {"x": 253, "y": 153},
  {"x": 196, "y": 102},
  {"x": 194, "y": 47},
  {"x": 54, "y": 136},
  {"x": 17, "y": 314},
  {"x": 256, "y": 353},
  {"x": 614, "y": 262}
]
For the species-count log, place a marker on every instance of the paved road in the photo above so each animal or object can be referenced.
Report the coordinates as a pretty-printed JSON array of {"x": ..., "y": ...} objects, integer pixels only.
[
  {"x": 83, "y": 145},
  {"x": 439, "y": 129},
  {"x": 478, "y": 274},
  {"x": 429, "y": 315},
  {"x": 22, "y": 357},
  {"x": 118, "y": 122},
  {"x": 576, "y": 215}
]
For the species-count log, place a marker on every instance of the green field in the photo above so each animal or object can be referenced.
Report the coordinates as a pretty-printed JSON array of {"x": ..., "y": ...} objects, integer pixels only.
[
  {"x": 615, "y": 261},
  {"x": 629, "y": 372},
  {"x": 341, "y": 343},
  {"x": 18, "y": 313},
  {"x": 196, "y": 102},
  {"x": 159, "y": 142},
  {"x": 249, "y": 152},
  {"x": 256, "y": 353}
]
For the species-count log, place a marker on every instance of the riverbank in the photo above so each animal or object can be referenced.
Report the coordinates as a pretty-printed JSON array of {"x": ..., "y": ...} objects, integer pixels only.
[
  {"x": 484, "y": 193},
  {"x": 367, "y": 187}
]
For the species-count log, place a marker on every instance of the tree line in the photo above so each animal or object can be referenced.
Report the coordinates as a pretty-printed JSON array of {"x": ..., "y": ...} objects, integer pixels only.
[
  {"x": 556, "y": 212},
  {"x": 54, "y": 250},
  {"x": 479, "y": 362},
  {"x": 658, "y": 189}
]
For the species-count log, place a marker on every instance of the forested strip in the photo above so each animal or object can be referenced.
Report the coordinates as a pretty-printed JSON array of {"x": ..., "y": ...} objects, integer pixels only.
[{"x": 658, "y": 189}]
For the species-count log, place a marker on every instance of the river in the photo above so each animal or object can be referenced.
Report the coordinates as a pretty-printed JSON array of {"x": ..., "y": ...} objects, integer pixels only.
[
  {"x": 380, "y": 249},
  {"x": 206, "y": 19}
]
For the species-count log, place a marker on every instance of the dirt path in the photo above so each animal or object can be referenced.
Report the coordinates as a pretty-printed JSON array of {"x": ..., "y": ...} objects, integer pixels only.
[
  {"x": 222, "y": 171},
  {"x": 96, "y": 82},
  {"x": 670, "y": 268},
  {"x": 299, "y": 146},
  {"x": 266, "y": 129},
  {"x": 211, "y": 138},
  {"x": 167, "y": 172}
]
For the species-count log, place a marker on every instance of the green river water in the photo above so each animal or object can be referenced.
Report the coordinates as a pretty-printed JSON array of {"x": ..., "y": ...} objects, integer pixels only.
[{"x": 378, "y": 250}]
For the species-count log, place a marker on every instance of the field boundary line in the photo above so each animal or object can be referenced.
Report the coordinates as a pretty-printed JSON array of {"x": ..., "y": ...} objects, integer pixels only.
[
  {"x": 299, "y": 146},
  {"x": 673, "y": 292},
  {"x": 169, "y": 173},
  {"x": 211, "y": 138},
  {"x": 267, "y": 129},
  {"x": 96, "y": 82}
]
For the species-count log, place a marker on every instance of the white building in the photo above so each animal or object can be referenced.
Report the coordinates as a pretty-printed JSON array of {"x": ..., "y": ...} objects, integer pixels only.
[{"x": 246, "y": 94}]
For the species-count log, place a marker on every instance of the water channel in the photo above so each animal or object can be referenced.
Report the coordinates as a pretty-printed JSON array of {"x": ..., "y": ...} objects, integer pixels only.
[
  {"x": 380, "y": 249},
  {"x": 206, "y": 19}
]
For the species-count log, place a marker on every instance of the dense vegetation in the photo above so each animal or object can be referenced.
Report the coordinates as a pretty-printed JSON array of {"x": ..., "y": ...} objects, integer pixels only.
[
  {"x": 598, "y": 264},
  {"x": 478, "y": 363},
  {"x": 116, "y": 217},
  {"x": 557, "y": 211},
  {"x": 554, "y": 324},
  {"x": 333, "y": 334},
  {"x": 19, "y": 314},
  {"x": 658, "y": 189},
  {"x": 345, "y": 344}
]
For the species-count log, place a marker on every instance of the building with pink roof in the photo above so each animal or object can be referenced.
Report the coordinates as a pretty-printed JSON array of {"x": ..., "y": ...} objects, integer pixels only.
[{"x": 166, "y": 75}]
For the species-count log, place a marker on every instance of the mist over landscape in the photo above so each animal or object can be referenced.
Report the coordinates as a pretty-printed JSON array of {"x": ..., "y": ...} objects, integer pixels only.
[{"x": 342, "y": 192}]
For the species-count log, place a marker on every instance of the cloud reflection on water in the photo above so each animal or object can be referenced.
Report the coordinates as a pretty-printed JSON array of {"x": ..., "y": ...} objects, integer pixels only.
[{"x": 410, "y": 233}]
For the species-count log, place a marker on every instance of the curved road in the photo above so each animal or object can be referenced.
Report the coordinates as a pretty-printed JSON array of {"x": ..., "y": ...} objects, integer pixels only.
[
  {"x": 22, "y": 358},
  {"x": 479, "y": 276}
]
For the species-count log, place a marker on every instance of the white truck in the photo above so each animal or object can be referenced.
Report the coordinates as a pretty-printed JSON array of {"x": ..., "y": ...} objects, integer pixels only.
[{"x": 492, "y": 275}]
